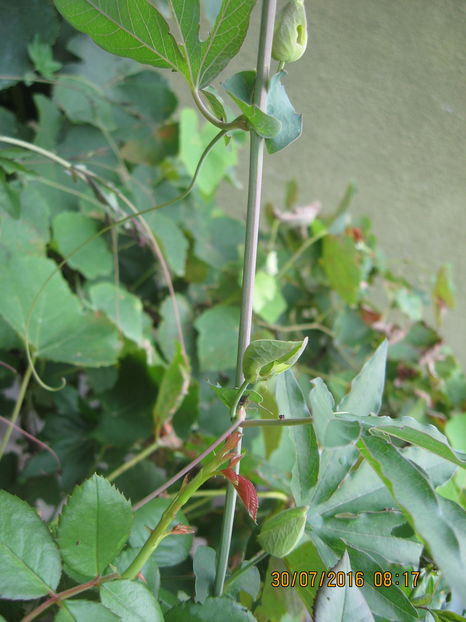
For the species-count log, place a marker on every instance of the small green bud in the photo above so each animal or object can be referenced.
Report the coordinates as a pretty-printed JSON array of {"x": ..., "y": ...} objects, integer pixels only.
[{"x": 290, "y": 34}]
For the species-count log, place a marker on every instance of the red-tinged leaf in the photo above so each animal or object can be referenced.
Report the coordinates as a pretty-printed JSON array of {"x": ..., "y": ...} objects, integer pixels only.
[
  {"x": 181, "y": 529},
  {"x": 248, "y": 495},
  {"x": 230, "y": 475},
  {"x": 231, "y": 442},
  {"x": 245, "y": 490}
]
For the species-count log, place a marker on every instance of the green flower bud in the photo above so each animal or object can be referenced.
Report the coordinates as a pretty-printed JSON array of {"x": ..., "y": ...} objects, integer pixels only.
[{"x": 290, "y": 34}]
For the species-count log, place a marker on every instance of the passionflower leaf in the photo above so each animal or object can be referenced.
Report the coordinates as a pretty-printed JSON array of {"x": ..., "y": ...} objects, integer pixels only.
[{"x": 265, "y": 358}]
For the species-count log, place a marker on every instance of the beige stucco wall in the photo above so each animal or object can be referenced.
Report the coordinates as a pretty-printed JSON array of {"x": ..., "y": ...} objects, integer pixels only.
[{"x": 383, "y": 91}]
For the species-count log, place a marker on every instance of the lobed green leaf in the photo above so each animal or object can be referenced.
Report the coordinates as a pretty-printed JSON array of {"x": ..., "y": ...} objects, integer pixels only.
[
  {"x": 414, "y": 493},
  {"x": 341, "y": 604}
]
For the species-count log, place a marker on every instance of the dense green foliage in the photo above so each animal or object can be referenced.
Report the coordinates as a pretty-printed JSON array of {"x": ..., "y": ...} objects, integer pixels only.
[{"x": 142, "y": 322}]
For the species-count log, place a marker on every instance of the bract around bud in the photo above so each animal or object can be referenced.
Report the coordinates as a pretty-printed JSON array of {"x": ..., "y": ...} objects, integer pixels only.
[{"x": 290, "y": 34}]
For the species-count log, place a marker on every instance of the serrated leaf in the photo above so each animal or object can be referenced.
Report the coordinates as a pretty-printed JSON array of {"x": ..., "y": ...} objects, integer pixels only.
[
  {"x": 59, "y": 329},
  {"x": 135, "y": 30},
  {"x": 130, "y": 601},
  {"x": 265, "y": 358},
  {"x": 280, "y": 107},
  {"x": 305, "y": 469},
  {"x": 341, "y": 604},
  {"x": 211, "y": 610},
  {"x": 71, "y": 230},
  {"x": 366, "y": 392},
  {"x": 75, "y": 610},
  {"x": 246, "y": 491},
  {"x": 225, "y": 39},
  {"x": 413, "y": 491},
  {"x": 240, "y": 87},
  {"x": 94, "y": 526},
  {"x": 172, "y": 390},
  {"x": 281, "y": 533},
  {"x": 30, "y": 564}
]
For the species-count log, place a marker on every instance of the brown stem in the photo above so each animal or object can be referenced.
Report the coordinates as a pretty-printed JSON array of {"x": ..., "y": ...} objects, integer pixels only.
[{"x": 55, "y": 598}]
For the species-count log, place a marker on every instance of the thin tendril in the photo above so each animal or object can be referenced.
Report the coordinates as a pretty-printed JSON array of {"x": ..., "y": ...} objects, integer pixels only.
[{"x": 87, "y": 176}]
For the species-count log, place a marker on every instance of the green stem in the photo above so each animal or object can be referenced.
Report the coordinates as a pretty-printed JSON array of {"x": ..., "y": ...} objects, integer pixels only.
[
  {"x": 254, "y": 423},
  {"x": 16, "y": 410},
  {"x": 250, "y": 254},
  {"x": 259, "y": 556},
  {"x": 238, "y": 123},
  {"x": 91, "y": 178},
  {"x": 147, "y": 451},
  {"x": 163, "y": 527},
  {"x": 188, "y": 467},
  {"x": 236, "y": 403},
  {"x": 305, "y": 245}
]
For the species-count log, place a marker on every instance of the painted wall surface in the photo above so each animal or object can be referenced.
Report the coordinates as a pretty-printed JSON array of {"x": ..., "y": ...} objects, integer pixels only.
[{"x": 383, "y": 91}]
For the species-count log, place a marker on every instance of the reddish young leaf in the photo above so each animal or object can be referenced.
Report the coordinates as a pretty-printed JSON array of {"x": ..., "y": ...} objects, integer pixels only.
[
  {"x": 245, "y": 490},
  {"x": 248, "y": 495}
]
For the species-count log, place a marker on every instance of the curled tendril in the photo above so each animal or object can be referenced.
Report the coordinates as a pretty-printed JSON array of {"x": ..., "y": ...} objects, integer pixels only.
[{"x": 91, "y": 178}]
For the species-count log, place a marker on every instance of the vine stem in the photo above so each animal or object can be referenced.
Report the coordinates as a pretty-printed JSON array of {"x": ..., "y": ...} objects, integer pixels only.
[
  {"x": 78, "y": 589},
  {"x": 249, "y": 266},
  {"x": 92, "y": 181},
  {"x": 297, "y": 254},
  {"x": 145, "y": 453},
  {"x": 17, "y": 409}
]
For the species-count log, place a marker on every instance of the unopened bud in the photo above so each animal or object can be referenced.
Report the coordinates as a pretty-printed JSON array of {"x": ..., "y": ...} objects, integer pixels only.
[{"x": 290, "y": 34}]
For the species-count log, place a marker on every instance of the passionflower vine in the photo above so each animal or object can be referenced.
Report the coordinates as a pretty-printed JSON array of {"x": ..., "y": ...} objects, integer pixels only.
[{"x": 290, "y": 33}]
